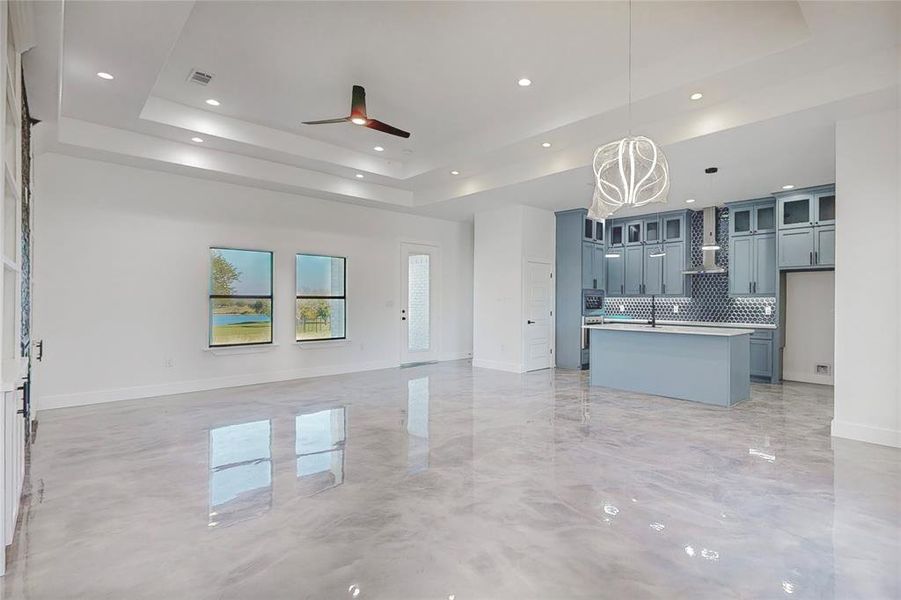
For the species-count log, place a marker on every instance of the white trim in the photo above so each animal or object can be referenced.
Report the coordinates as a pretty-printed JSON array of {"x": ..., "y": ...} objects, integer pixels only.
[
  {"x": 455, "y": 356},
  {"x": 249, "y": 349},
  {"x": 304, "y": 344},
  {"x": 199, "y": 385},
  {"x": 866, "y": 433},
  {"x": 497, "y": 365}
]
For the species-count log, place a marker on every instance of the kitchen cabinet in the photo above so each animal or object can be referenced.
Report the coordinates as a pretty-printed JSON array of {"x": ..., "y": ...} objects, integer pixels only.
[
  {"x": 616, "y": 236},
  {"x": 762, "y": 354},
  {"x": 674, "y": 227},
  {"x": 752, "y": 248},
  {"x": 586, "y": 266},
  {"x": 652, "y": 234},
  {"x": 633, "y": 233},
  {"x": 652, "y": 277},
  {"x": 633, "y": 269},
  {"x": 615, "y": 263},
  {"x": 675, "y": 261},
  {"x": 592, "y": 231},
  {"x": 806, "y": 228}
]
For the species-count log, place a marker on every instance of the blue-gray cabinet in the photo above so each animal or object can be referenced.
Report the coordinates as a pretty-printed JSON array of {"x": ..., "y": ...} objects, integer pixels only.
[
  {"x": 598, "y": 266},
  {"x": 592, "y": 231},
  {"x": 586, "y": 266},
  {"x": 674, "y": 262},
  {"x": 633, "y": 232},
  {"x": 615, "y": 233},
  {"x": 762, "y": 353},
  {"x": 806, "y": 227},
  {"x": 674, "y": 226},
  {"x": 652, "y": 278},
  {"x": 633, "y": 267},
  {"x": 752, "y": 248},
  {"x": 615, "y": 262}
]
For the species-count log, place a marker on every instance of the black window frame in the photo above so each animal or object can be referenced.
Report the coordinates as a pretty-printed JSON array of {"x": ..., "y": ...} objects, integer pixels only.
[
  {"x": 245, "y": 296},
  {"x": 320, "y": 297}
]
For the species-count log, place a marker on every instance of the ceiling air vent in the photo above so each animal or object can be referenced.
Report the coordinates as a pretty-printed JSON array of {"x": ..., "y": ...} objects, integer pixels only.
[{"x": 199, "y": 77}]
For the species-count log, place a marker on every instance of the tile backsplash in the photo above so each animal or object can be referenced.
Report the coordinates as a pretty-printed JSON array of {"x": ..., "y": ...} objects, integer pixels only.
[{"x": 709, "y": 300}]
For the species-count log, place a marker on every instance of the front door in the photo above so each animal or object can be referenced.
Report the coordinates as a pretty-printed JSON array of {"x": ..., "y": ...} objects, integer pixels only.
[
  {"x": 538, "y": 333},
  {"x": 419, "y": 264}
]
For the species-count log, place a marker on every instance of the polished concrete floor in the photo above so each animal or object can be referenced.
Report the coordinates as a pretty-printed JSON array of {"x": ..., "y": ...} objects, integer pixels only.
[{"x": 449, "y": 482}]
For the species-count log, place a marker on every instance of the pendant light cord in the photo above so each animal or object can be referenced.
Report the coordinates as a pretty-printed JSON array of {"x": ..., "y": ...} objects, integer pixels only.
[{"x": 630, "y": 68}]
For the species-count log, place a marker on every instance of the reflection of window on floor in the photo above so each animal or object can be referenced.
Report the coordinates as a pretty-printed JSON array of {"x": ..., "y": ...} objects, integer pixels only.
[
  {"x": 240, "y": 472},
  {"x": 319, "y": 446},
  {"x": 418, "y": 424}
]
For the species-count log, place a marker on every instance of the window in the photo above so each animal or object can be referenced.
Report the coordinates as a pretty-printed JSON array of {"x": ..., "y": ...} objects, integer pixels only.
[
  {"x": 240, "y": 297},
  {"x": 321, "y": 307}
]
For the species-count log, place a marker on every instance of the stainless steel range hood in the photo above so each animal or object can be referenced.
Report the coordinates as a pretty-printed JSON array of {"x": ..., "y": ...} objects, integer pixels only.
[{"x": 709, "y": 247}]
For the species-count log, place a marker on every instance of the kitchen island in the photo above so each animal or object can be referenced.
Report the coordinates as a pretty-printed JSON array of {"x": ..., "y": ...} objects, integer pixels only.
[{"x": 702, "y": 364}]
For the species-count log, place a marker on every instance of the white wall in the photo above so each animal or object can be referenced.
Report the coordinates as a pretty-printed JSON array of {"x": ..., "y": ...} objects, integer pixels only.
[
  {"x": 809, "y": 326},
  {"x": 868, "y": 280},
  {"x": 505, "y": 239},
  {"x": 122, "y": 271}
]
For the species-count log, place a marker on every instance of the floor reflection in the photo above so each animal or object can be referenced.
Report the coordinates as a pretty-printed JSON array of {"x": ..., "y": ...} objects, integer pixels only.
[
  {"x": 418, "y": 425},
  {"x": 240, "y": 472},
  {"x": 319, "y": 448}
]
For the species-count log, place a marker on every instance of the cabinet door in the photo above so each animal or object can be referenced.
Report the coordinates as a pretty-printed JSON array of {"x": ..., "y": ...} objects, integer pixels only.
[
  {"x": 796, "y": 212},
  {"x": 599, "y": 228},
  {"x": 824, "y": 203},
  {"x": 587, "y": 266},
  {"x": 765, "y": 269},
  {"x": 634, "y": 257},
  {"x": 633, "y": 233},
  {"x": 764, "y": 218},
  {"x": 588, "y": 230},
  {"x": 615, "y": 270},
  {"x": 796, "y": 248},
  {"x": 653, "y": 270},
  {"x": 741, "y": 265},
  {"x": 652, "y": 231},
  {"x": 616, "y": 234},
  {"x": 740, "y": 221},
  {"x": 673, "y": 265},
  {"x": 673, "y": 228},
  {"x": 598, "y": 263},
  {"x": 761, "y": 357},
  {"x": 825, "y": 246}
]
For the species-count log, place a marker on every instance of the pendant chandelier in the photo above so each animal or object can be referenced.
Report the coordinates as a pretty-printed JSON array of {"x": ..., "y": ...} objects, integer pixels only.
[{"x": 630, "y": 172}]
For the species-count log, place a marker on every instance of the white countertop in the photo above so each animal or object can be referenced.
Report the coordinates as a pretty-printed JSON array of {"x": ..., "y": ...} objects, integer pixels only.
[
  {"x": 695, "y": 323},
  {"x": 645, "y": 328}
]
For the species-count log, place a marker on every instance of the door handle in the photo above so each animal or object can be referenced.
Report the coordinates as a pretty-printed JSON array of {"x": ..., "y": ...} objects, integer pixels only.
[
  {"x": 811, "y": 257},
  {"x": 749, "y": 287},
  {"x": 664, "y": 288},
  {"x": 816, "y": 257}
]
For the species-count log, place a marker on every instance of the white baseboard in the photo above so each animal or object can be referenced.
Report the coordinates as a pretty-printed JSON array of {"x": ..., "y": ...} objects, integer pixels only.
[
  {"x": 200, "y": 385},
  {"x": 866, "y": 433},
  {"x": 455, "y": 356},
  {"x": 497, "y": 365},
  {"x": 805, "y": 378}
]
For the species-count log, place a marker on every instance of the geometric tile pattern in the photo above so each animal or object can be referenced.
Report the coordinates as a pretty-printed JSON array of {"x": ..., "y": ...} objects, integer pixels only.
[{"x": 709, "y": 301}]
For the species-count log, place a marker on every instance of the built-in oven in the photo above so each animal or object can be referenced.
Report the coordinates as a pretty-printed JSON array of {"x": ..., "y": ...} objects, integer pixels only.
[{"x": 592, "y": 313}]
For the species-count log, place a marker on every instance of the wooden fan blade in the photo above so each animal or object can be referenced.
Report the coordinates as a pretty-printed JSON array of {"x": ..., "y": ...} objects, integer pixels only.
[
  {"x": 358, "y": 102},
  {"x": 326, "y": 121},
  {"x": 379, "y": 126}
]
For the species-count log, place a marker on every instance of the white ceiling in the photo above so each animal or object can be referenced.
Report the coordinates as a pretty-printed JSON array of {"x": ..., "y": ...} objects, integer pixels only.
[{"x": 775, "y": 75}]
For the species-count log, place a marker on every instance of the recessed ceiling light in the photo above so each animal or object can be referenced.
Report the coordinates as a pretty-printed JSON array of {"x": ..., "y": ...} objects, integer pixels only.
[
  {"x": 696, "y": 96},
  {"x": 379, "y": 149},
  {"x": 103, "y": 75},
  {"x": 212, "y": 102},
  {"x": 197, "y": 140},
  {"x": 524, "y": 82},
  {"x": 788, "y": 187},
  {"x": 455, "y": 172},
  {"x": 690, "y": 200},
  {"x": 358, "y": 121},
  {"x": 359, "y": 176},
  {"x": 546, "y": 145}
]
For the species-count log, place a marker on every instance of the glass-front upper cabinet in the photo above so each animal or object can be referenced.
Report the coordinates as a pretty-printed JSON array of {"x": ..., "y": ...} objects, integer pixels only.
[
  {"x": 599, "y": 231},
  {"x": 765, "y": 218},
  {"x": 673, "y": 228},
  {"x": 825, "y": 206},
  {"x": 588, "y": 232},
  {"x": 616, "y": 234},
  {"x": 795, "y": 212},
  {"x": 652, "y": 231},
  {"x": 633, "y": 233}
]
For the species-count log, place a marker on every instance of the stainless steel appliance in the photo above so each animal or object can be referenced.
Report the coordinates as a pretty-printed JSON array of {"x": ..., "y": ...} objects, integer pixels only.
[{"x": 592, "y": 313}]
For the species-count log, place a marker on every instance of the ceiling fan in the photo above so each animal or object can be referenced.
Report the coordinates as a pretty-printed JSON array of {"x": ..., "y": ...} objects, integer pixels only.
[{"x": 358, "y": 116}]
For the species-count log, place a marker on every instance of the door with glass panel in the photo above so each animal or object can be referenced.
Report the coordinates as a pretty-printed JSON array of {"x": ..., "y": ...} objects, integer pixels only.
[{"x": 418, "y": 311}]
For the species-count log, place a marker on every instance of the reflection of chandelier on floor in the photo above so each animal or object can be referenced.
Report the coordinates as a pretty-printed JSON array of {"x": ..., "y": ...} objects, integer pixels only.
[{"x": 629, "y": 172}]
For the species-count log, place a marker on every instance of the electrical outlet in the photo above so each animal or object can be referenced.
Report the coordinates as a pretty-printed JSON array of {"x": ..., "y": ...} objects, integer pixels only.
[
  {"x": 824, "y": 369},
  {"x": 675, "y": 309},
  {"x": 767, "y": 310}
]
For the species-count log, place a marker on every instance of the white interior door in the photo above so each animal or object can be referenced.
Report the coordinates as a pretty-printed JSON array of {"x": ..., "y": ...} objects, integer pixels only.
[
  {"x": 537, "y": 331},
  {"x": 419, "y": 307}
]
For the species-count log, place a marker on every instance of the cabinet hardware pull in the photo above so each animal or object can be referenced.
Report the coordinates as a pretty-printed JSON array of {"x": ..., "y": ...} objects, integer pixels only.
[
  {"x": 811, "y": 258},
  {"x": 530, "y": 322},
  {"x": 816, "y": 257}
]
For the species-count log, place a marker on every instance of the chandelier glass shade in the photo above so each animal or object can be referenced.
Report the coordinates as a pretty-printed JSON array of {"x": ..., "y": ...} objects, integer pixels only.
[{"x": 630, "y": 172}]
